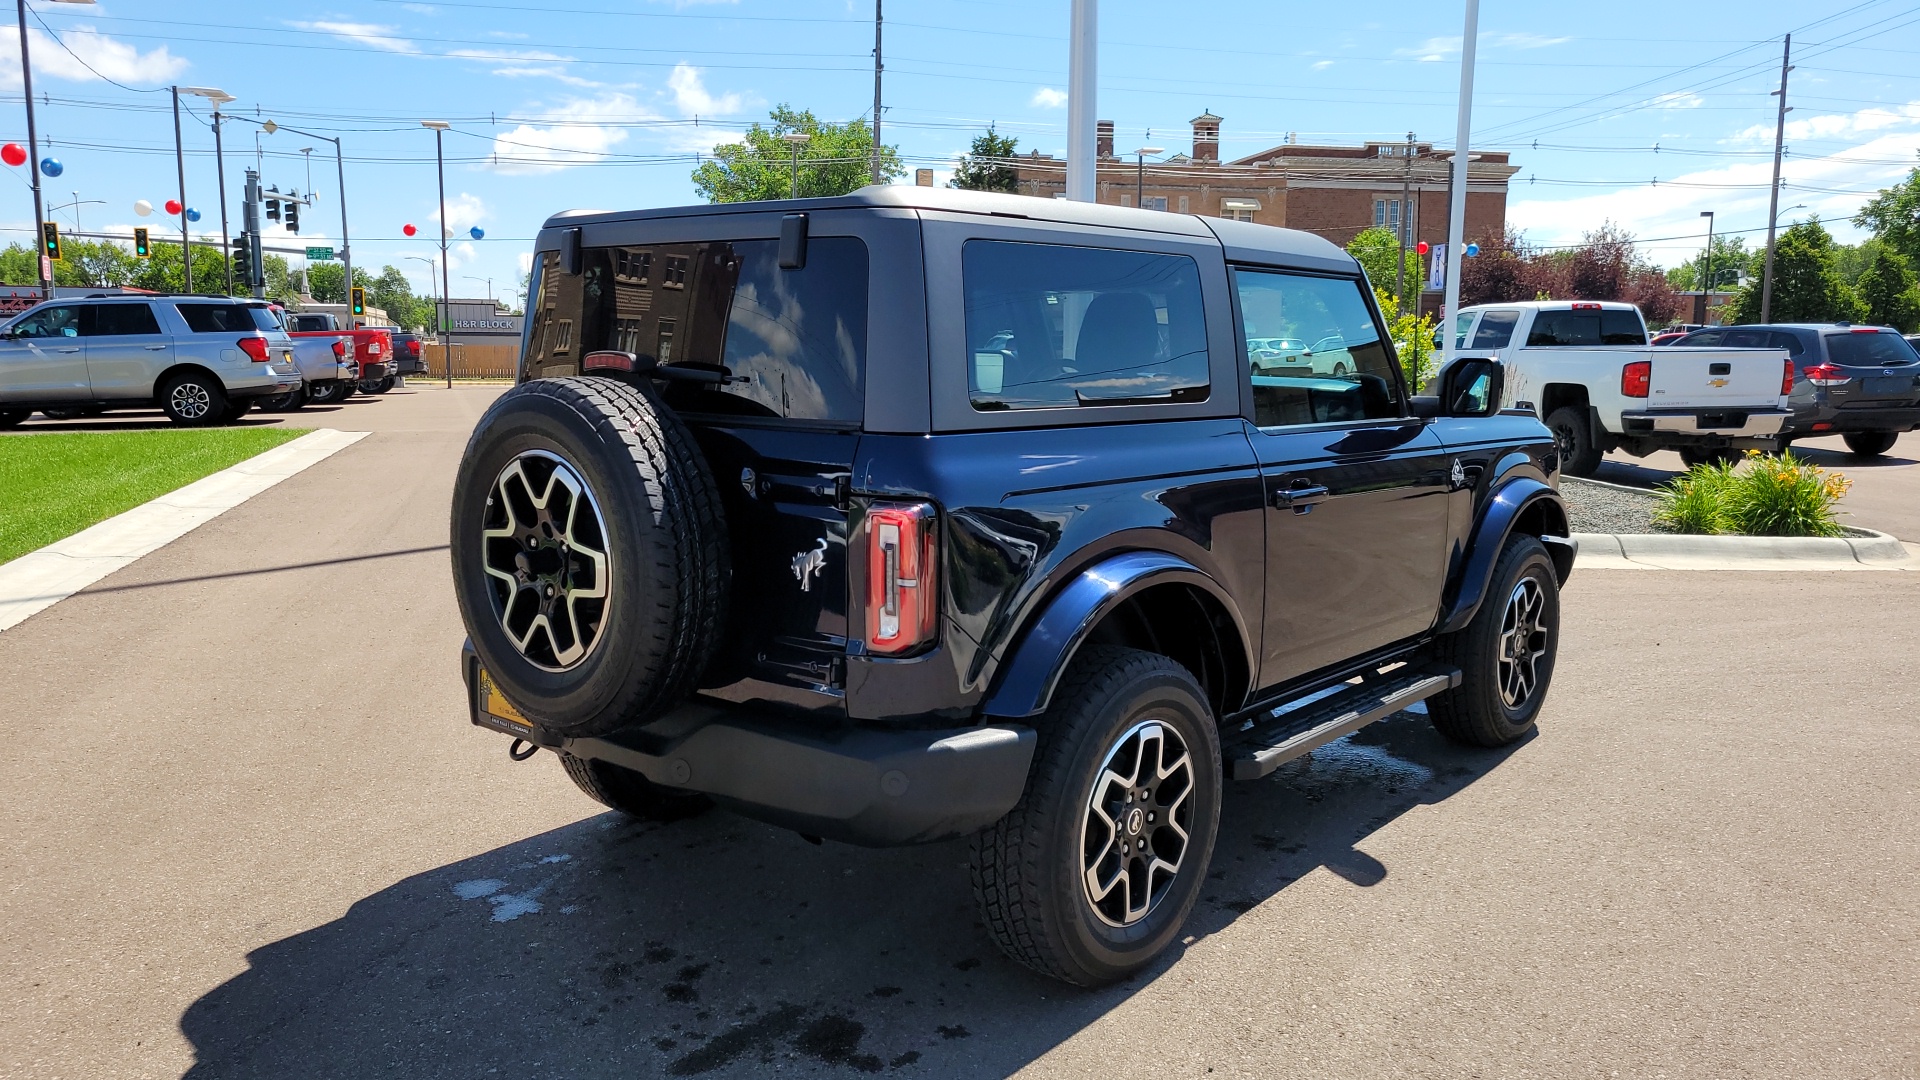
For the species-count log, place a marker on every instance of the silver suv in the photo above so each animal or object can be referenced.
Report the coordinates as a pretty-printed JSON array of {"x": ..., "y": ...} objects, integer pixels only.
[{"x": 200, "y": 359}]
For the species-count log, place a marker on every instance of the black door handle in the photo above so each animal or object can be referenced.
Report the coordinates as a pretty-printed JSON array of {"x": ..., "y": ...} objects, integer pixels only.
[{"x": 1300, "y": 498}]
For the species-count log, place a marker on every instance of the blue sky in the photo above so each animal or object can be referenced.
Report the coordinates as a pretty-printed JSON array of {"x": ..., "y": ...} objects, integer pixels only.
[{"x": 1638, "y": 112}]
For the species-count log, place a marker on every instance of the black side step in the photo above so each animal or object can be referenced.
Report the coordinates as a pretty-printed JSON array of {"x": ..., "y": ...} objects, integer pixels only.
[{"x": 1265, "y": 746}]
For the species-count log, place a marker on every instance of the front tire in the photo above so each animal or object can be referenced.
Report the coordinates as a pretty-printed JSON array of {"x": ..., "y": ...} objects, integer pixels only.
[
  {"x": 1573, "y": 433},
  {"x": 1091, "y": 875},
  {"x": 194, "y": 399},
  {"x": 1870, "y": 443},
  {"x": 631, "y": 793},
  {"x": 1505, "y": 655}
]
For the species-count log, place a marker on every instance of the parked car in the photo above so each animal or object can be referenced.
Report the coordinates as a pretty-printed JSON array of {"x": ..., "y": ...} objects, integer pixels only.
[
  {"x": 200, "y": 359},
  {"x": 328, "y": 371},
  {"x": 916, "y": 514},
  {"x": 372, "y": 350},
  {"x": 1588, "y": 368},
  {"x": 1859, "y": 382},
  {"x": 408, "y": 356}
]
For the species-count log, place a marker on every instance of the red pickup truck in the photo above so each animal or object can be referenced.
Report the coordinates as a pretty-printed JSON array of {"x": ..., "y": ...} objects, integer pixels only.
[{"x": 372, "y": 346}]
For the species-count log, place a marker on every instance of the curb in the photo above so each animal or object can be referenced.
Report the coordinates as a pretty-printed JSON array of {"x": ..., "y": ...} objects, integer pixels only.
[
  {"x": 40, "y": 579},
  {"x": 1675, "y": 551}
]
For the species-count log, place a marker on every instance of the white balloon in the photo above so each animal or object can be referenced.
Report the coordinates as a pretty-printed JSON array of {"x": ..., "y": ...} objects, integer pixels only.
[{"x": 142, "y": 207}]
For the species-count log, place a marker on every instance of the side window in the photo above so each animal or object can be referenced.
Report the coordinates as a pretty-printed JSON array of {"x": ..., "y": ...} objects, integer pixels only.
[
  {"x": 1057, "y": 327},
  {"x": 113, "y": 319},
  {"x": 59, "y": 321},
  {"x": 1345, "y": 374},
  {"x": 1789, "y": 342},
  {"x": 226, "y": 318},
  {"x": 1703, "y": 339},
  {"x": 789, "y": 343},
  {"x": 1495, "y": 330},
  {"x": 1747, "y": 339},
  {"x": 1461, "y": 324}
]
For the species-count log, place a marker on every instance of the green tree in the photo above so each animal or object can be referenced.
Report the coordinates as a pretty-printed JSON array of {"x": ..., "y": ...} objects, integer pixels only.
[
  {"x": 1807, "y": 286},
  {"x": 164, "y": 271},
  {"x": 1412, "y": 334},
  {"x": 1731, "y": 259},
  {"x": 1377, "y": 250},
  {"x": 1891, "y": 292},
  {"x": 1894, "y": 216},
  {"x": 988, "y": 165},
  {"x": 835, "y": 159}
]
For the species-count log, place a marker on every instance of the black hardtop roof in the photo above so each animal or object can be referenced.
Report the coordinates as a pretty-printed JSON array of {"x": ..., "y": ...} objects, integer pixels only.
[{"x": 1243, "y": 240}]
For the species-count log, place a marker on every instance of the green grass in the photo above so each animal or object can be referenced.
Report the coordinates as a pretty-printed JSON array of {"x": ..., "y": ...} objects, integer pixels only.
[{"x": 54, "y": 485}]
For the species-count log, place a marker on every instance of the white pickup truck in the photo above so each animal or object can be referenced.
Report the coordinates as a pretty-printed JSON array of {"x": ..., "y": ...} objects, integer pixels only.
[{"x": 1587, "y": 370}]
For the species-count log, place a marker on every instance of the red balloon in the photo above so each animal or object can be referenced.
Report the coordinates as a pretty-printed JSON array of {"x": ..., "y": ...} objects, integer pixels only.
[
  {"x": 13, "y": 154},
  {"x": 1421, "y": 247},
  {"x": 408, "y": 230},
  {"x": 173, "y": 206}
]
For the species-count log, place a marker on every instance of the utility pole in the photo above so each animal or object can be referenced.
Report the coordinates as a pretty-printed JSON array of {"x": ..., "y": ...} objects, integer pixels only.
[
  {"x": 180, "y": 162},
  {"x": 33, "y": 160},
  {"x": 220, "y": 171},
  {"x": 440, "y": 169},
  {"x": 1706, "y": 271},
  {"x": 250, "y": 233},
  {"x": 878, "y": 67},
  {"x": 1773, "y": 196},
  {"x": 1457, "y": 208},
  {"x": 1406, "y": 226},
  {"x": 1083, "y": 60}
]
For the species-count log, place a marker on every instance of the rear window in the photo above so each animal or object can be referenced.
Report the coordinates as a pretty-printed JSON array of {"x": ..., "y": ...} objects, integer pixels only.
[
  {"x": 1869, "y": 350},
  {"x": 227, "y": 318},
  {"x": 1568, "y": 327},
  {"x": 791, "y": 343},
  {"x": 1057, "y": 327}
]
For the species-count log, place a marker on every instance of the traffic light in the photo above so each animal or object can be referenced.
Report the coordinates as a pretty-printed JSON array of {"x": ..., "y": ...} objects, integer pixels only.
[
  {"x": 50, "y": 240},
  {"x": 141, "y": 248},
  {"x": 359, "y": 301},
  {"x": 293, "y": 217},
  {"x": 242, "y": 258},
  {"x": 273, "y": 209}
]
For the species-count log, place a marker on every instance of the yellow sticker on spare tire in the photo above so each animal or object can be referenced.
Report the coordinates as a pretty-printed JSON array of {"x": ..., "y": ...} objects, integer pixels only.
[{"x": 494, "y": 703}]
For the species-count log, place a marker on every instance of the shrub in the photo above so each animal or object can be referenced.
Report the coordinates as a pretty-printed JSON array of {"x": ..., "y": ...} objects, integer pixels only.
[{"x": 1766, "y": 495}]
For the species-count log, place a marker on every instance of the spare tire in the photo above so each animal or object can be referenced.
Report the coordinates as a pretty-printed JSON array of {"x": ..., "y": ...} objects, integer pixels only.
[{"x": 589, "y": 553}]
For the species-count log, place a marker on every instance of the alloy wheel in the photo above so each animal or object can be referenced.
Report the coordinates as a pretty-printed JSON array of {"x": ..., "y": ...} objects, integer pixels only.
[
  {"x": 1135, "y": 833},
  {"x": 544, "y": 549},
  {"x": 191, "y": 400},
  {"x": 1523, "y": 641}
]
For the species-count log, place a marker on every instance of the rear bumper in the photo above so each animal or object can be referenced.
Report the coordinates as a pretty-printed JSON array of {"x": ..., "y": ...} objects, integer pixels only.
[
  {"x": 1831, "y": 420},
  {"x": 861, "y": 785},
  {"x": 376, "y": 370},
  {"x": 261, "y": 381},
  {"x": 1725, "y": 423}
]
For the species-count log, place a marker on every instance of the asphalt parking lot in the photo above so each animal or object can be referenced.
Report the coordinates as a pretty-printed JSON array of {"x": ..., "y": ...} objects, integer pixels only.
[{"x": 250, "y": 833}]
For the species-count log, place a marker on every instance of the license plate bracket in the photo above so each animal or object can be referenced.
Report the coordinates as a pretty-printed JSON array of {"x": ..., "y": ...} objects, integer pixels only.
[{"x": 492, "y": 709}]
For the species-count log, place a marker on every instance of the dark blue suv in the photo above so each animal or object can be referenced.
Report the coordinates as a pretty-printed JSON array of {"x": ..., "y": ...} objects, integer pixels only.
[{"x": 918, "y": 514}]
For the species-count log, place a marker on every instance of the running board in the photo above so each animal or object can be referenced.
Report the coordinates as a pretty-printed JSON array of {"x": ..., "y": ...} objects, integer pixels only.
[{"x": 1266, "y": 746}]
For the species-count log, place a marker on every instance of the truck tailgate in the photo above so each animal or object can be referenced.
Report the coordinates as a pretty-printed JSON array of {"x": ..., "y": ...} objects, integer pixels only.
[{"x": 1685, "y": 378}]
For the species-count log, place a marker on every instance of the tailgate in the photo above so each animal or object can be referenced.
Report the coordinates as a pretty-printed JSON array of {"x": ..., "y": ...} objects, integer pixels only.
[{"x": 1686, "y": 378}]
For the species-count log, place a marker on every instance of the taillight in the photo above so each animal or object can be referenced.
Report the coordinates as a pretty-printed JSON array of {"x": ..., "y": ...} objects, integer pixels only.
[
  {"x": 1586, "y": 307},
  {"x": 1826, "y": 375},
  {"x": 255, "y": 347},
  {"x": 902, "y": 589},
  {"x": 413, "y": 348},
  {"x": 1786, "y": 379},
  {"x": 339, "y": 347},
  {"x": 1635, "y": 377},
  {"x": 607, "y": 360}
]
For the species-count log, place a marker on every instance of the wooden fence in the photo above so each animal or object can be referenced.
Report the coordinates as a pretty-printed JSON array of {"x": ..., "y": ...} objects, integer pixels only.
[{"x": 472, "y": 361}]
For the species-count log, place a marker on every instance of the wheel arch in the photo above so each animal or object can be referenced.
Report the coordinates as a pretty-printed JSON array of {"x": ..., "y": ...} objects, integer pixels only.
[
  {"x": 1522, "y": 505},
  {"x": 161, "y": 379},
  {"x": 1148, "y": 600}
]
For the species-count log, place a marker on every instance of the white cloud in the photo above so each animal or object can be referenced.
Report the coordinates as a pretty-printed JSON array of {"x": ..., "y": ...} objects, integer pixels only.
[
  {"x": 1320, "y": 65},
  {"x": 1432, "y": 49},
  {"x": 1446, "y": 47},
  {"x": 464, "y": 211},
  {"x": 691, "y": 96},
  {"x": 373, "y": 34},
  {"x": 527, "y": 64},
  {"x": 421, "y": 9},
  {"x": 1679, "y": 99},
  {"x": 1521, "y": 41},
  {"x": 575, "y": 133},
  {"x": 113, "y": 59},
  {"x": 1838, "y": 125},
  {"x": 1048, "y": 98}
]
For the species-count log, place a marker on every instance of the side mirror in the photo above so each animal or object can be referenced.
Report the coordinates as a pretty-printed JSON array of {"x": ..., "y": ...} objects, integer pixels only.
[{"x": 1470, "y": 386}]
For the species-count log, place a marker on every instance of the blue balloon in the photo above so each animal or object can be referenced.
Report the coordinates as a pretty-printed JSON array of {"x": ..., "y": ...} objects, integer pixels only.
[
  {"x": 476, "y": 232},
  {"x": 1472, "y": 250},
  {"x": 192, "y": 214},
  {"x": 51, "y": 167}
]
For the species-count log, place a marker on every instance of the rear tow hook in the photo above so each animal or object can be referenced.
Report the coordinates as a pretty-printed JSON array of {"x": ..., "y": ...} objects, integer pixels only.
[{"x": 516, "y": 753}]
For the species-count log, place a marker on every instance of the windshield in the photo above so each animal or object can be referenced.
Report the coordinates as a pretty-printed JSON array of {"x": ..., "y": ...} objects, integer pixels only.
[{"x": 1869, "y": 350}]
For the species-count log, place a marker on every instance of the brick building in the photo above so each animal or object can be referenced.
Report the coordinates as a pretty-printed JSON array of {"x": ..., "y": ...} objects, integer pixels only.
[{"x": 1335, "y": 191}]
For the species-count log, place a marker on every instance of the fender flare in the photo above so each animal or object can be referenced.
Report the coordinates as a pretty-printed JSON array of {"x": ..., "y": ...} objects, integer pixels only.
[
  {"x": 1509, "y": 501},
  {"x": 1027, "y": 678}
]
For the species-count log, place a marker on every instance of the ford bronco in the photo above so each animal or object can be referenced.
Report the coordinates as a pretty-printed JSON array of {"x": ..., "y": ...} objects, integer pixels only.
[{"x": 910, "y": 515}]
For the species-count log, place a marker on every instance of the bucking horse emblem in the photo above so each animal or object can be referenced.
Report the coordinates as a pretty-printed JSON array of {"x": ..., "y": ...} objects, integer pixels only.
[{"x": 808, "y": 564}]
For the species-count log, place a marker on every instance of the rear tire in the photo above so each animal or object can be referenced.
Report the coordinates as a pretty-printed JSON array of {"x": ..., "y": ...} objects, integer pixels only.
[
  {"x": 1122, "y": 722},
  {"x": 1691, "y": 456},
  {"x": 287, "y": 402},
  {"x": 589, "y": 553},
  {"x": 1572, "y": 429},
  {"x": 630, "y": 793},
  {"x": 376, "y": 386},
  {"x": 1870, "y": 443},
  {"x": 1505, "y": 655},
  {"x": 237, "y": 408},
  {"x": 194, "y": 399},
  {"x": 325, "y": 393}
]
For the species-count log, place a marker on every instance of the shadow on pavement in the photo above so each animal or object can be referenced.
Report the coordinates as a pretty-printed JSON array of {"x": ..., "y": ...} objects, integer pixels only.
[
  {"x": 279, "y": 569},
  {"x": 723, "y": 947}
]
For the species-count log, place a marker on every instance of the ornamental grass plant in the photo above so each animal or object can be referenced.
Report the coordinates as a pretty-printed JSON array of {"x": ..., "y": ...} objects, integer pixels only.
[{"x": 1762, "y": 495}]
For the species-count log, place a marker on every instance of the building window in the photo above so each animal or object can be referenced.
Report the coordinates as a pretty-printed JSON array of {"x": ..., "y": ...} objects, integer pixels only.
[
  {"x": 563, "y": 335},
  {"x": 1153, "y": 202},
  {"x": 1238, "y": 209},
  {"x": 673, "y": 274},
  {"x": 1183, "y": 204},
  {"x": 665, "y": 352}
]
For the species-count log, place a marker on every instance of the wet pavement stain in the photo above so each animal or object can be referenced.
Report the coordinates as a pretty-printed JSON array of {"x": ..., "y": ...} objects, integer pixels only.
[
  {"x": 955, "y": 1032},
  {"x": 883, "y": 991},
  {"x": 755, "y": 1036},
  {"x": 835, "y": 1039}
]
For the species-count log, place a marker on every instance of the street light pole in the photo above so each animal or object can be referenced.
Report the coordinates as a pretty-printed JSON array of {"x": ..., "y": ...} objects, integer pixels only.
[
  {"x": 796, "y": 139},
  {"x": 1773, "y": 197},
  {"x": 180, "y": 163},
  {"x": 488, "y": 280},
  {"x": 1457, "y": 203},
  {"x": 1140, "y": 174},
  {"x": 1083, "y": 60},
  {"x": 440, "y": 166},
  {"x": 1706, "y": 270}
]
